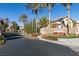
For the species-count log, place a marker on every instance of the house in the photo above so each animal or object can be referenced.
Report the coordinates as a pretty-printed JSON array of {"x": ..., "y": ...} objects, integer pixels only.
[
  {"x": 59, "y": 26},
  {"x": 77, "y": 28},
  {"x": 63, "y": 22}
]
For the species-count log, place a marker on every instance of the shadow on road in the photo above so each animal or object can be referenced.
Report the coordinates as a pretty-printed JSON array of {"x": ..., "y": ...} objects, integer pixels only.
[{"x": 12, "y": 36}]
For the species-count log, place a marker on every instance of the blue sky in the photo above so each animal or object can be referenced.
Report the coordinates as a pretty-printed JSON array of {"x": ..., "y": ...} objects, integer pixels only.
[{"x": 14, "y": 10}]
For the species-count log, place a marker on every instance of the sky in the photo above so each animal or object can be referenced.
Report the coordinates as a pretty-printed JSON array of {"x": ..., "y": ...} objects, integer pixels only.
[{"x": 14, "y": 10}]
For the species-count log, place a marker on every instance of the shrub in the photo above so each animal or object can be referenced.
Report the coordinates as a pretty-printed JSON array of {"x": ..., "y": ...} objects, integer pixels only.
[
  {"x": 34, "y": 35},
  {"x": 55, "y": 38},
  {"x": 1, "y": 40}
]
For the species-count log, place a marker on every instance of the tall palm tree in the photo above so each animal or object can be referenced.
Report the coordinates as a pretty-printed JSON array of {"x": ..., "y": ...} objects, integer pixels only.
[
  {"x": 35, "y": 9},
  {"x": 67, "y": 5},
  {"x": 23, "y": 18},
  {"x": 49, "y": 6}
]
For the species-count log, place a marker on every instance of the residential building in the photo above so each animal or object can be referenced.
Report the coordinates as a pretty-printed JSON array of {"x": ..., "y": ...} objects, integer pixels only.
[{"x": 60, "y": 26}]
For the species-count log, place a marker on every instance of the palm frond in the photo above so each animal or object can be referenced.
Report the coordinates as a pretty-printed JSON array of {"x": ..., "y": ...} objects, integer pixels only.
[
  {"x": 65, "y": 4},
  {"x": 23, "y": 18},
  {"x": 33, "y": 6}
]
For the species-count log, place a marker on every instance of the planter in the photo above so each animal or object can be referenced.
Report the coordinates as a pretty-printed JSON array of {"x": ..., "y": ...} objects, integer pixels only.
[{"x": 54, "y": 38}]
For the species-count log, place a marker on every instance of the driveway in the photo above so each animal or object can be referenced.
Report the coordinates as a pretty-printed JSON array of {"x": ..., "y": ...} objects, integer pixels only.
[{"x": 17, "y": 45}]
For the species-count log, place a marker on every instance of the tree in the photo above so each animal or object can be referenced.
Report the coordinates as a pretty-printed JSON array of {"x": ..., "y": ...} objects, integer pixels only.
[
  {"x": 1, "y": 25},
  {"x": 43, "y": 22},
  {"x": 49, "y": 6},
  {"x": 67, "y": 5},
  {"x": 6, "y": 21},
  {"x": 23, "y": 18},
  {"x": 35, "y": 7},
  {"x": 14, "y": 26},
  {"x": 30, "y": 27}
]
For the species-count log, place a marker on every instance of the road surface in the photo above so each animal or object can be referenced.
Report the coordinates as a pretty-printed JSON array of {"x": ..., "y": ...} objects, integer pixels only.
[{"x": 17, "y": 45}]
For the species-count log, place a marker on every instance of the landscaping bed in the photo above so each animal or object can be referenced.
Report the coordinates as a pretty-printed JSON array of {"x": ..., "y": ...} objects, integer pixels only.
[
  {"x": 35, "y": 35},
  {"x": 49, "y": 37},
  {"x": 56, "y": 37}
]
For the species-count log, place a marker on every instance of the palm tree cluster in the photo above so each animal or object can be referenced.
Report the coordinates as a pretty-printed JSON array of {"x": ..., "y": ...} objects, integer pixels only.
[{"x": 36, "y": 8}]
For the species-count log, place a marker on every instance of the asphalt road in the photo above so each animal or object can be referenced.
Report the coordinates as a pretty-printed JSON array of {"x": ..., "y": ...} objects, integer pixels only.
[{"x": 17, "y": 45}]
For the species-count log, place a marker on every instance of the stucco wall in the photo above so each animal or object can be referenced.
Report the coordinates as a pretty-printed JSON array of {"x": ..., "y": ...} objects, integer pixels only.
[{"x": 72, "y": 30}]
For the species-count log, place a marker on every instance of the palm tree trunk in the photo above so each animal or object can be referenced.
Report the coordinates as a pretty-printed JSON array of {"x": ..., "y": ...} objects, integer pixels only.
[
  {"x": 68, "y": 6},
  {"x": 24, "y": 28},
  {"x": 49, "y": 6},
  {"x": 32, "y": 26},
  {"x": 36, "y": 24}
]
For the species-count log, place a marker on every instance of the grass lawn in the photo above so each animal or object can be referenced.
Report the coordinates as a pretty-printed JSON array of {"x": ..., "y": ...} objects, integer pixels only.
[{"x": 69, "y": 36}]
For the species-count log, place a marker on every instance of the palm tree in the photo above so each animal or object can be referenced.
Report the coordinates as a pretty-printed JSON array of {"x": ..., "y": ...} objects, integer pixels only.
[
  {"x": 49, "y": 6},
  {"x": 23, "y": 19},
  {"x": 43, "y": 22},
  {"x": 35, "y": 9},
  {"x": 67, "y": 5}
]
